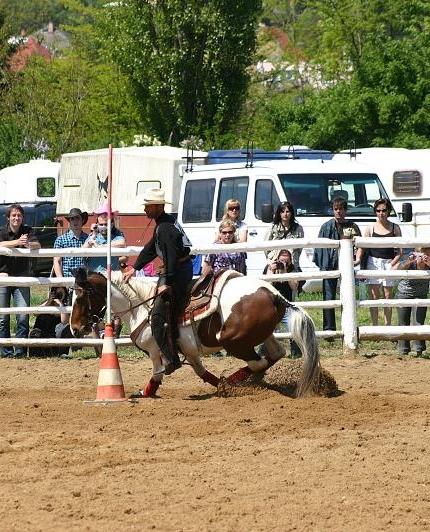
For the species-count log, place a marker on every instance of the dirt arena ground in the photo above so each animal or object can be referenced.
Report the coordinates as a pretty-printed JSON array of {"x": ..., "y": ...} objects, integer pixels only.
[{"x": 192, "y": 461}]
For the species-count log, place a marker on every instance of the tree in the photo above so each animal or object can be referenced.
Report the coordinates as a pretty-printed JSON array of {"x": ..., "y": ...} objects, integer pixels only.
[
  {"x": 374, "y": 60},
  {"x": 187, "y": 60},
  {"x": 66, "y": 105}
]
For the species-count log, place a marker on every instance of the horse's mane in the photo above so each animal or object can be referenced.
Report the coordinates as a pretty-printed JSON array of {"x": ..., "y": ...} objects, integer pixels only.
[{"x": 137, "y": 288}]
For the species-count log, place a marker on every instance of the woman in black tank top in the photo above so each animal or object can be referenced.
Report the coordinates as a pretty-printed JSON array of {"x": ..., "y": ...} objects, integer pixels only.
[{"x": 382, "y": 258}]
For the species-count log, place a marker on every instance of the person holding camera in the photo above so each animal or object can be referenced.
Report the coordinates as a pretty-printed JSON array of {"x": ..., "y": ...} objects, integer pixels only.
[
  {"x": 15, "y": 235},
  {"x": 282, "y": 262},
  {"x": 413, "y": 289},
  {"x": 98, "y": 238},
  {"x": 285, "y": 225}
]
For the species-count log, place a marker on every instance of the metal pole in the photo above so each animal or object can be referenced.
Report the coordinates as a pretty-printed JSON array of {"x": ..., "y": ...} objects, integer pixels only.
[{"x": 109, "y": 239}]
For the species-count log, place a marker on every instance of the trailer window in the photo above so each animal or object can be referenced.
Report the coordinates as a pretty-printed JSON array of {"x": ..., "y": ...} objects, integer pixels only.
[
  {"x": 45, "y": 187},
  {"x": 265, "y": 192},
  {"x": 232, "y": 188},
  {"x": 145, "y": 185},
  {"x": 407, "y": 182},
  {"x": 198, "y": 201}
]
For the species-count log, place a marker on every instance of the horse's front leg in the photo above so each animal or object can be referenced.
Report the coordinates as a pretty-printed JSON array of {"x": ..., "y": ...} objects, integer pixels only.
[{"x": 155, "y": 381}]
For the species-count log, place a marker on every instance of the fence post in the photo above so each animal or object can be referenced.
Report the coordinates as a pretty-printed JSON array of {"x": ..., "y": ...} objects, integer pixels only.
[{"x": 347, "y": 296}]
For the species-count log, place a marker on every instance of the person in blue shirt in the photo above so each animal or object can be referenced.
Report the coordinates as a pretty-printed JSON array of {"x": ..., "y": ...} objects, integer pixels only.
[
  {"x": 98, "y": 238},
  {"x": 65, "y": 266}
]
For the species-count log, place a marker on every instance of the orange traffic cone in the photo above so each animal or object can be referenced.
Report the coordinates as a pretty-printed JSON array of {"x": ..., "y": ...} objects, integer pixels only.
[{"x": 109, "y": 387}]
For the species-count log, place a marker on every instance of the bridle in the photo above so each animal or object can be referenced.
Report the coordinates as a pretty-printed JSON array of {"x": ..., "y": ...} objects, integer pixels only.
[{"x": 97, "y": 316}]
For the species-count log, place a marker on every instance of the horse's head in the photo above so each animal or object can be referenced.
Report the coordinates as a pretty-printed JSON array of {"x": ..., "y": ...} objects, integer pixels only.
[{"x": 89, "y": 302}]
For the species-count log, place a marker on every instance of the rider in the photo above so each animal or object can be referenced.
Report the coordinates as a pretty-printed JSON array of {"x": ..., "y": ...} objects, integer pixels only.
[{"x": 171, "y": 245}]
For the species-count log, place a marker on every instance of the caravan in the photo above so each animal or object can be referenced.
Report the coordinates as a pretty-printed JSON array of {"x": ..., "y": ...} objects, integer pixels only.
[{"x": 405, "y": 175}]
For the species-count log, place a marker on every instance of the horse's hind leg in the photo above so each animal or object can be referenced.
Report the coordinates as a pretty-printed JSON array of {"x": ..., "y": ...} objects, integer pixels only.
[
  {"x": 268, "y": 354},
  {"x": 272, "y": 351}
]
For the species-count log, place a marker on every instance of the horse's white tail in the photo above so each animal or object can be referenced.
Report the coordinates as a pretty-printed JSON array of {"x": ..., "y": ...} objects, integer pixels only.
[{"x": 302, "y": 329}]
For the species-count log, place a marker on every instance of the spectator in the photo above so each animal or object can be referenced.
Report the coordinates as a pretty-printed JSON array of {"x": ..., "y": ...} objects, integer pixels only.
[
  {"x": 98, "y": 238},
  {"x": 413, "y": 289},
  {"x": 282, "y": 262},
  {"x": 233, "y": 260},
  {"x": 15, "y": 235},
  {"x": 65, "y": 266},
  {"x": 327, "y": 259},
  {"x": 232, "y": 213},
  {"x": 381, "y": 259},
  {"x": 285, "y": 226}
]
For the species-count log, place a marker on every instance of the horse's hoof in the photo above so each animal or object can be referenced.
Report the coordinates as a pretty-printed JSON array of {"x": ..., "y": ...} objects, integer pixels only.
[{"x": 137, "y": 395}]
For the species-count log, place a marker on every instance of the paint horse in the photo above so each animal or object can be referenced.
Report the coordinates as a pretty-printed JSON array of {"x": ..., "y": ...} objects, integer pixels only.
[{"x": 243, "y": 314}]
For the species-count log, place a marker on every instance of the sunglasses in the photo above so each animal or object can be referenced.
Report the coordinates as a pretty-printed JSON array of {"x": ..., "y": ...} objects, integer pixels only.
[
  {"x": 227, "y": 232},
  {"x": 102, "y": 224},
  {"x": 381, "y": 210},
  {"x": 234, "y": 208},
  {"x": 75, "y": 218},
  {"x": 285, "y": 210}
]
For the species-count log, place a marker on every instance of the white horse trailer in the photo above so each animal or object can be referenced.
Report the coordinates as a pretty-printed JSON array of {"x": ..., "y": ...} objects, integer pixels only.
[{"x": 32, "y": 182}]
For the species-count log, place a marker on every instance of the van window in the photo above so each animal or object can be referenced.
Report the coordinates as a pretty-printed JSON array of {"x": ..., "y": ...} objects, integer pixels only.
[
  {"x": 45, "y": 187},
  {"x": 144, "y": 185},
  {"x": 265, "y": 192},
  {"x": 198, "y": 200},
  {"x": 232, "y": 188},
  {"x": 311, "y": 194}
]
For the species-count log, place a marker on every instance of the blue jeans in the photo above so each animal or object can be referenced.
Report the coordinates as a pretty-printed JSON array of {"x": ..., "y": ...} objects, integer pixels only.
[{"x": 21, "y": 298}]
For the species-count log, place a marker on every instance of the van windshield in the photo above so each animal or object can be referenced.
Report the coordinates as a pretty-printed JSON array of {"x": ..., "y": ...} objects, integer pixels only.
[{"x": 312, "y": 194}]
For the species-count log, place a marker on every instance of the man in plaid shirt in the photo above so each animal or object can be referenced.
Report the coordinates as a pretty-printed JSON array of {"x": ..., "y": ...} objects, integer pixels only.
[{"x": 64, "y": 266}]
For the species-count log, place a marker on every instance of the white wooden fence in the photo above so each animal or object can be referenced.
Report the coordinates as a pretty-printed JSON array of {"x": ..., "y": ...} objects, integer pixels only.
[{"x": 350, "y": 330}]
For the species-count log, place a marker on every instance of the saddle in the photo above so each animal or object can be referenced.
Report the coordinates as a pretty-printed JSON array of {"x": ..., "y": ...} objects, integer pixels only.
[{"x": 204, "y": 295}]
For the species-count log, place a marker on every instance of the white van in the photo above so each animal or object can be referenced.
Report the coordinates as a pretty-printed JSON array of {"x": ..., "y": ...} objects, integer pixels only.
[{"x": 310, "y": 185}]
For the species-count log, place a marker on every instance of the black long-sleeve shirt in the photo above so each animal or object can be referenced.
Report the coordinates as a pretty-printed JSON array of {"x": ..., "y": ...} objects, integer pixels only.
[{"x": 168, "y": 240}]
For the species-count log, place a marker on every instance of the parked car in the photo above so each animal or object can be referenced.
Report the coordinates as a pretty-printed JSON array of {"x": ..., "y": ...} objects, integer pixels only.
[{"x": 41, "y": 216}]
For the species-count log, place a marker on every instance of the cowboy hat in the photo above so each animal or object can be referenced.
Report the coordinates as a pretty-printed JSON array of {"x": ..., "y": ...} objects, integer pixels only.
[
  {"x": 154, "y": 196},
  {"x": 78, "y": 212},
  {"x": 103, "y": 209}
]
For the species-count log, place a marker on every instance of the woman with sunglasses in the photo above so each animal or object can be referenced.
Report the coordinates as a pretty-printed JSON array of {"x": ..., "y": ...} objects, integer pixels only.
[
  {"x": 381, "y": 258},
  {"x": 234, "y": 260},
  {"x": 285, "y": 226},
  {"x": 232, "y": 212}
]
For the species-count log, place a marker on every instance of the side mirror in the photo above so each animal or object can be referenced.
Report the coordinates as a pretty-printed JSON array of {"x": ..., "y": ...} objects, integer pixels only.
[
  {"x": 267, "y": 213},
  {"x": 406, "y": 212}
]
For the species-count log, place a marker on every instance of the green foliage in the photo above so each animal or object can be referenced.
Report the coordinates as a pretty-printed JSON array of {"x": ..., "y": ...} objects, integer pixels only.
[
  {"x": 31, "y": 15},
  {"x": 374, "y": 58},
  {"x": 187, "y": 59},
  {"x": 69, "y": 103}
]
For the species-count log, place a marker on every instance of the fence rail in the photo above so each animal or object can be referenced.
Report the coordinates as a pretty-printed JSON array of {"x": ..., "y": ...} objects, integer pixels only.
[{"x": 350, "y": 332}]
